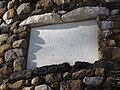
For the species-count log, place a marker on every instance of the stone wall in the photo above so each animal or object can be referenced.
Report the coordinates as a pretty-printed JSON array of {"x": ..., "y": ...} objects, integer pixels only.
[{"x": 16, "y": 18}]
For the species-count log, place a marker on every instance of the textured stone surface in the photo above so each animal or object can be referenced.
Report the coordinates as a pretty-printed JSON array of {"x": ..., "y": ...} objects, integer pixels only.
[
  {"x": 19, "y": 64},
  {"x": 37, "y": 80},
  {"x": 17, "y": 85},
  {"x": 54, "y": 77},
  {"x": 21, "y": 75},
  {"x": 95, "y": 81},
  {"x": 13, "y": 54},
  {"x": 4, "y": 87},
  {"x": 71, "y": 85},
  {"x": 84, "y": 13},
  {"x": 42, "y": 87},
  {"x": 28, "y": 88},
  {"x": 3, "y": 38},
  {"x": 22, "y": 43},
  {"x": 24, "y": 8},
  {"x": 4, "y": 48},
  {"x": 37, "y": 20}
]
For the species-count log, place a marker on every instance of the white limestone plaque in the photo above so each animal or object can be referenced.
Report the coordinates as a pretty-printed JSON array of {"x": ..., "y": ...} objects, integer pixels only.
[{"x": 68, "y": 42}]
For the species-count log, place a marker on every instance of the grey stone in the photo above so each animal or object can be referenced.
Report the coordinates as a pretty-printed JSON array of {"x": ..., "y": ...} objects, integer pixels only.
[
  {"x": 94, "y": 81},
  {"x": 19, "y": 64},
  {"x": 13, "y": 54},
  {"x": 105, "y": 25},
  {"x": 84, "y": 13},
  {"x": 2, "y": 3},
  {"x": 3, "y": 38},
  {"x": 44, "y": 19},
  {"x": 42, "y": 87},
  {"x": 21, "y": 75},
  {"x": 12, "y": 38},
  {"x": 24, "y": 8},
  {"x": 22, "y": 43},
  {"x": 2, "y": 11}
]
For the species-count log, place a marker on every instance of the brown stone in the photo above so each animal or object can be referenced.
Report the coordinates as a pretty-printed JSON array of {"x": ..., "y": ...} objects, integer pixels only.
[
  {"x": 11, "y": 14},
  {"x": 22, "y": 43},
  {"x": 55, "y": 86},
  {"x": 4, "y": 87},
  {"x": 3, "y": 38},
  {"x": 71, "y": 85},
  {"x": 111, "y": 43},
  {"x": 19, "y": 64},
  {"x": 37, "y": 80},
  {"x": 14, "y": 25},
  {"x": 44, "y": 4},
  {"x": 99, "y": 71},
  {"x": 58, "y": 2},
  {"x": 116, "y": 37},
  {"x": 1, "y": 61},
  {"x": 18, "y": 85},
  {"x": 23, "y": 35},
  {"x": 82, "y": 73},
  {"x": 54, "y": 77},
  {"x": 114, "y": 18},
  {"x": 5, "y": 71},
  {"x": 101, "y": 17},
  {"x": 4, "y": 48},
  {"x": 2, "y": 11},
  {"x": 109, "y": 53},
  {"x": 12, "y": 38}
]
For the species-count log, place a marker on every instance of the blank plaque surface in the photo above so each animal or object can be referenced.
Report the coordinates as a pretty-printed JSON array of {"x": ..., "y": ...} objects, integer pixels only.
[{"x": 68, "y": 42}]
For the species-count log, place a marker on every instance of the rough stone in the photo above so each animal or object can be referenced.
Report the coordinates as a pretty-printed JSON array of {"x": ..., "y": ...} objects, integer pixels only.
[
  {"x": 37, "y": 20},
  {"x": 67, "y": 76},
  {"x": 84, "y": 13},
  {"x": 1, "y": 21},
  {"x": 44, "y": 4},
  {"x": 114, "y": 18},
  {"x": 18, "y": 85},
  {"x": 55, "y": 86},
  {"x": 24, "y": 8},
  {"x": 99, "y": 71},
  {"x": 115, "y": 31},
  {"x": 19, "y": 64},
  {"x": 54, "y": 77},
  {"x": 1, "y": 61},
  {"x": 71, "y": 85},
  {"x": 4, "y": 48},
  {"x": 82, "y": 73},
  {"x": 2, "y": 11},
  {"x": 116, "y": 37},
  {"x": 23, "y": 35},
  {"x": 37, "y": 80},
  {"x": 101, "y": 17},
  {"x": 52, "y": 69},
  {"x": 42, "y": 87},
  {"x": 94, "y": 81},
  {"x": 11, "y": 4},
  {"x": 109, "y": 53},
  {"x": 11, "y": 14},
  {"x": 12, "y": 38},
  {"x": 4, "y": 29},
  {"x": 105, "y": 25},
  {"x": 3, "y": 38},
  {"x": 21, "y": 75},
  {"x": 14, "y": 25},
  {"x": 22, "y": 43},
  {"x": 13, "y": 54},
  {"x": 28, "y": 88},
  {"x": 2, "y": 3},
  {"x": 108, "y": 82},
  {"x": 4, "y": 87},
  {"x": 5, "y": 71}
]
